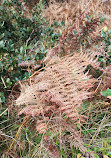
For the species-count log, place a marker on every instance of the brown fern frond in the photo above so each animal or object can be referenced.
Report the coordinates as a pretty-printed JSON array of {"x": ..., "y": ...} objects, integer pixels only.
[
  {"x": 66, "y": 11},
  {"x": 54, "y": 97},
  {"x": 51, "y": 146},
  {"x": 58, "y": 90},
  {"x": 82, "y": 35},
  {"x": 85, "y": 34},
  {"x": 71, "y": 10}
]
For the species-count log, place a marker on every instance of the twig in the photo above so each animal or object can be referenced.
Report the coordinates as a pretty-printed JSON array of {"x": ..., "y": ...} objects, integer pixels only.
[
  {"x": 3, "y": 82},
  {"x": 37, "y": 71},
  {"x": 29, "y": 40},
  {"x": 24, "y": 121},
  {"x": 3, "y": 112}
]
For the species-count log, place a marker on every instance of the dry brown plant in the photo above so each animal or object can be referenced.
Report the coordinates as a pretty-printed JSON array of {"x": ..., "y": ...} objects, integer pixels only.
[
  {"x": 66, "y": 11},
  {"x": 54, "y": 96},
  {"x": 82, "y": 35},
  {"x": 69, "y": 11}
]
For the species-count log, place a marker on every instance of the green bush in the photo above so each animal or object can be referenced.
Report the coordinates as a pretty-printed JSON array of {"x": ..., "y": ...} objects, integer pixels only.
[{"x": 22, "y": 38}]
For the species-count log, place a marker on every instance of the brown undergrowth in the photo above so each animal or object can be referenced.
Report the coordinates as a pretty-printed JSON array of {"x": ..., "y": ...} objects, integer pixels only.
[
  {"x": 53, "y": 97},
  {"x": 70, "y": 11}
]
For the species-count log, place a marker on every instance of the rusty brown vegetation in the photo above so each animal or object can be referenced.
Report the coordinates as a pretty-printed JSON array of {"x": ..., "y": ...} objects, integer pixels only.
[{"x": 53, "y": 96}]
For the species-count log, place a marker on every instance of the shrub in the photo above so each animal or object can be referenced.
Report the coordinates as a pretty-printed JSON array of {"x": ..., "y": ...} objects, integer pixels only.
[{"x": 20, "y": 40}]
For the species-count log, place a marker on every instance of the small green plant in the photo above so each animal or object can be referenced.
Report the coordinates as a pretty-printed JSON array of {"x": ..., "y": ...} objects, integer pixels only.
[{"x": 106, "y": 93}]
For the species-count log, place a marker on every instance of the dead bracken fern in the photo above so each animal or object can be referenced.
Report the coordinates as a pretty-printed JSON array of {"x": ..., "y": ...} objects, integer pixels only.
[
  {"x": 83, "y": 34},
  {"x": 54, "y": 96},
  {"x": 69, "y": 11},
  {"x": 62, "y": 11}
]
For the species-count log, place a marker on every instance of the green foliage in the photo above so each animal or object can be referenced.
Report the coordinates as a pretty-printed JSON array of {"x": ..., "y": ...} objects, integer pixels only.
[
  {"x": 15, "y": 30},
  {"x": 106, "y": 93},
  {"x": 2, "y": 98},
  {"x": 19, "y": 35}
]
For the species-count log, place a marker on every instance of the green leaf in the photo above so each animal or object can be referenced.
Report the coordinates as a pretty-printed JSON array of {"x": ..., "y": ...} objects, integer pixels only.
[
  {"x": 109, "y": 47},
  {"x": 2, "y": 44},
  {"x": 75, "y": 32},
  {"x": 96, "y": 156},
  {"x": 2, "y": 98},
  {"x": 21, "y": 49},
  {"x": 88, "y": 18},
  {"x": 106, "y": 92},
  {"x": 9, "y": 82}
]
